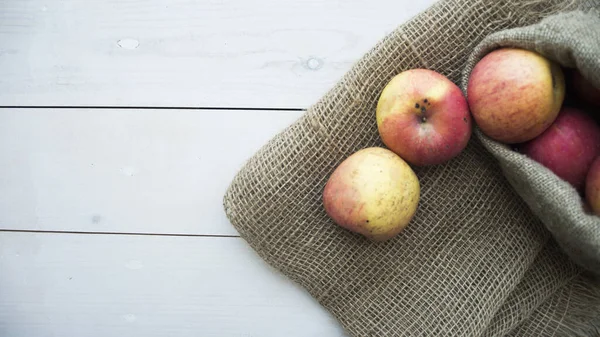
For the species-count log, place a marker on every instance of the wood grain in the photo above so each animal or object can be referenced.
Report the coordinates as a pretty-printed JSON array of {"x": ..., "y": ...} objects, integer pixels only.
[
  {"x": 111, "y": 285},
  {"x": 129, "y": 171},
  {"x": 178, "y": 53}
]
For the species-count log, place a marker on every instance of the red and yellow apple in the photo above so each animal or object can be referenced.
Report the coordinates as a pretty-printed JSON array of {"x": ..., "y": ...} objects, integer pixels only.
[
  {"x": 423, "y": 117},
  {"x": 373, "y": 192},
  {"x": 592, "y": 186},
  {"x": 568, "y": 147},
  {"x": 515, "y": 94}
]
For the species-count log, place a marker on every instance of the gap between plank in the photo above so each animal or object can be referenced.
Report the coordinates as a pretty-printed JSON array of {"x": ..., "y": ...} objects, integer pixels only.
[
  {"x": 116, "y": 233},
  {"x": 143, "y": 107}
]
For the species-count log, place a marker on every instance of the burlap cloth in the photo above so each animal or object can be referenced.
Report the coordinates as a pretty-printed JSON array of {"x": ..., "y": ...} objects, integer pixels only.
[{"x": 475, "y": 260}]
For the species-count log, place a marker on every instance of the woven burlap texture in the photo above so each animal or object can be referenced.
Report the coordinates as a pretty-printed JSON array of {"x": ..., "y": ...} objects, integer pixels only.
[
  {"x": 475, "y": 261},
  {"x": 573, "y": 40}
]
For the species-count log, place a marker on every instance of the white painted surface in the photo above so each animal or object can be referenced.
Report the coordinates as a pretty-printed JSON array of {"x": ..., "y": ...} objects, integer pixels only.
[
  {"x": 155, "y": 171},
  {"x": 132, "y": 171},
  {"x": 232, "y": 53},
  {"x": 112, "y": 285}
]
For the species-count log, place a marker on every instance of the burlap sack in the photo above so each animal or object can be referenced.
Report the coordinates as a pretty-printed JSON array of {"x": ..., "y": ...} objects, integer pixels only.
[
  {"x": 475, "y": 261},
  {"x": 573, "y": 40}
]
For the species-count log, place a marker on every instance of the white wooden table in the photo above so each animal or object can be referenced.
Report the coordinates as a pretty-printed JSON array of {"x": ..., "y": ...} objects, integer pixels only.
[{"x": 121, "y": 124}]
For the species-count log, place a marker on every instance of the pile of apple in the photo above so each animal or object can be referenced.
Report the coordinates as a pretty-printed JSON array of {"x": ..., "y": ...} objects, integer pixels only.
[{"x": 515, "y": 96}]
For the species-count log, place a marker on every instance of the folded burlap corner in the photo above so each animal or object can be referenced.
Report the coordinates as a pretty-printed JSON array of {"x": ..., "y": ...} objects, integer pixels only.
[{"x": 475, "y": 261}]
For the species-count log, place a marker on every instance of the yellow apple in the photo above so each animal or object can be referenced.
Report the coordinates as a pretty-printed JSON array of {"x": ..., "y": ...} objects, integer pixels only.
[{"x": 373, "y": 192}]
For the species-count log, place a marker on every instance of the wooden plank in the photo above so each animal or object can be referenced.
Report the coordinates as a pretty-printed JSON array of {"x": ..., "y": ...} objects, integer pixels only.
[
  {"x": 132, "y": 171},
  {"x": 115, "y": 285},
  {"x": 176, "y": 53}
]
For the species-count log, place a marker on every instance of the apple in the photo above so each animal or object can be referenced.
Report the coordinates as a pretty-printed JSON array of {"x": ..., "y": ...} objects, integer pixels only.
[
  {"x": 423, "y": 117},
  {"x": 568, "y": 147},
  {"x": 584, "y": 89},
  {"x": 592, "y": 186},
  {"x": 373, "y": 192},
  {"x": 515, "y": 94}
]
